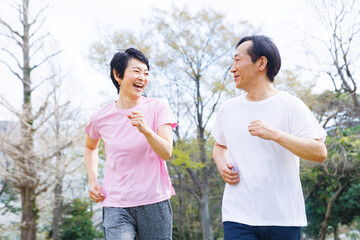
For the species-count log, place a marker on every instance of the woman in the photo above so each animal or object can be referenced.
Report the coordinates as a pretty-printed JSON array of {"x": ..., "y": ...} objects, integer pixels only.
[{"x": 137, "y": 133}]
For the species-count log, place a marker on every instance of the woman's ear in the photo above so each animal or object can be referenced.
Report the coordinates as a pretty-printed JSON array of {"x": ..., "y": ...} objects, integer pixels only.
[
  {"x": 116, "y": 76},
  {"x": 262, "y": 63}
]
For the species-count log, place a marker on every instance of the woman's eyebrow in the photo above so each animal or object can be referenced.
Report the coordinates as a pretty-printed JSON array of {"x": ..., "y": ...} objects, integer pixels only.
[{"x": 139, "y": 68}]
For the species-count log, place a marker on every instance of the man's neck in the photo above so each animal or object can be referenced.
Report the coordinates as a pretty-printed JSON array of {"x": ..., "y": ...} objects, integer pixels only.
[{"x": 261, "y": 91}]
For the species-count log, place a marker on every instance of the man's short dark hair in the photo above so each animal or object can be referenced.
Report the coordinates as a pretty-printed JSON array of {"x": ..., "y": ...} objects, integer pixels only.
[
  {"x": 120, "y": 62},
  {"x": 264, "y": 46}
]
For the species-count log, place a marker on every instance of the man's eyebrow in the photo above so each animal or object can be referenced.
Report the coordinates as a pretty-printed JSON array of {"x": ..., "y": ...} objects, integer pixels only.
[{"x": 237, "y": 55}]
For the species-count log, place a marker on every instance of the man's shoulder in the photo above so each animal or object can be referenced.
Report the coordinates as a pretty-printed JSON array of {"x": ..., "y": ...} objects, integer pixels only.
[
  {"x": 289, "y": 98},
  {"x": 234, "y": 100}
]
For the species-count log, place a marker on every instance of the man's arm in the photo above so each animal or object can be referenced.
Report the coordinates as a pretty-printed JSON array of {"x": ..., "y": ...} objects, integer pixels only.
[
  {"x": 306, "y": 148},
  {"x": 220, "y": 158}
]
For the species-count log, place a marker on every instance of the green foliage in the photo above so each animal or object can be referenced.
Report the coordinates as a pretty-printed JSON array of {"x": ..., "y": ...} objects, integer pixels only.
[
  {"x": 336, "y": 109},
  {"x": 344, "y": 151},
  {"x": 341, "y": 169},
  {"x": 8, "y": 197},
  {"x": 186, "y": 160},
  {"x": 348, "y": 204},
  {"x": 182, "y": 155},
  {"x": 78, "y": 222},
  {"x": 289, "y": 82}
]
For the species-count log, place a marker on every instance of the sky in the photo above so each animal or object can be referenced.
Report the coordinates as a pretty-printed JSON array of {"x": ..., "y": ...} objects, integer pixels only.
[{"x": 75, "y": 24}]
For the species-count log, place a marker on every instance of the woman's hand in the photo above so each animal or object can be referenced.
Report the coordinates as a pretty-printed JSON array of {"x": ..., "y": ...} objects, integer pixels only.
[
  {"x": 95, "y": 193},
  {"x": 161, "y": 141},
  {"x": 138, "y": 120}
]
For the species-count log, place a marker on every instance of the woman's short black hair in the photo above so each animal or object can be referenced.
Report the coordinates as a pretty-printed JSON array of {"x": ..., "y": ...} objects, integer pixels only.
[
  {"x": 120, "y": 62},
  {"x": 264, "y": 46}
]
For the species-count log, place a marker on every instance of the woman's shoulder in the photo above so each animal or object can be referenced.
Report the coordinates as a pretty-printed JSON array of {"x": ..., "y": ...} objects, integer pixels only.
[
  {"x": 155, "y": 101},
  {"x": 103, "y": 110}
]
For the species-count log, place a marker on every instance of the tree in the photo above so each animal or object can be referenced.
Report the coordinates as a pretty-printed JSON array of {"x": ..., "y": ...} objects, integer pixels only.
[
  {"x": 332, "y": 199},
  {"x": 77, "y": 223},
  {"x": 336, "y": 55},
  {"x": 62, "y": 128},
  {"x": 27, "y": 148},
  {"x": 197, "y": 48},
  {"x": 340, "y": 22}
]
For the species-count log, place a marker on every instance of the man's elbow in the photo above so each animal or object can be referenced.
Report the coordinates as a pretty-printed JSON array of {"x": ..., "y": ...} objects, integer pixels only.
[
  {"x": 321, "y": 152},
  {"x": 321, "y": 158},
  {"x": 321, "y": 155}
]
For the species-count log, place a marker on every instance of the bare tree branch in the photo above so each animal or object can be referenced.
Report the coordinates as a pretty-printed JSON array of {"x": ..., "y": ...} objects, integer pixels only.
[{"x": 45, "y": 60}]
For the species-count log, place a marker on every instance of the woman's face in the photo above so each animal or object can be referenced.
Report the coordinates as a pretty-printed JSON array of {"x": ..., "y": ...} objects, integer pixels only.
[{"x": 135, "y": 80}]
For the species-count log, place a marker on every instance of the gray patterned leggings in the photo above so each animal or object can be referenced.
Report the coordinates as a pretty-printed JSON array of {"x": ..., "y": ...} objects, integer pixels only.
[{"x": 148, "y": 222}]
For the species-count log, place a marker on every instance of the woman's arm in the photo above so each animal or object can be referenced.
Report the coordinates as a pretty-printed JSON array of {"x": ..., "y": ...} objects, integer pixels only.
[
  {"x": 161, "y": 142},
  {"x": 91, "y": 165}
]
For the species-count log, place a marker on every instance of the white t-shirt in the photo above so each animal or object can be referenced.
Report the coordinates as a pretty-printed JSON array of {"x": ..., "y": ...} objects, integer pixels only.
[{"x": 269, "y": 191}]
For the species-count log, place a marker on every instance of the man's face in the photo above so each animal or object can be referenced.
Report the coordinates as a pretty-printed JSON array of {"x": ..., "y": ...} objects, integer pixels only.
[{"x": 243, "y": 68}]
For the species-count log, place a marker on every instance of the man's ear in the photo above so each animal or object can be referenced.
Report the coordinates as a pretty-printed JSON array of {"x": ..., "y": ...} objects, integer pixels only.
[{"x": 262, "y": 63}]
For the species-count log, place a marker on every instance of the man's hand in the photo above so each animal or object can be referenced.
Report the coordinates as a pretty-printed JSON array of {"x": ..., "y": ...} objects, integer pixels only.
[
  {"x": 262, "y": 130},
  {"x": 228, "y": 173},
  {"x": 96, "y": 193}
]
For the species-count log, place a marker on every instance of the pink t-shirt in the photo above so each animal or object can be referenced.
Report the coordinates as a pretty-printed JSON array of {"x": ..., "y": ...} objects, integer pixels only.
[{"x": 135, "y": 174}]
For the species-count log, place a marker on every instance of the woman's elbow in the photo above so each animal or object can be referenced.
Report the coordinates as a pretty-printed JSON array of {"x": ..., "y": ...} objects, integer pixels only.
[{"x": 166, "y": 156}]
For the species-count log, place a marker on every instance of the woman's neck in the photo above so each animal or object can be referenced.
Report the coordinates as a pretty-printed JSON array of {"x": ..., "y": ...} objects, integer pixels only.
[{"x": 126, "y": 103}]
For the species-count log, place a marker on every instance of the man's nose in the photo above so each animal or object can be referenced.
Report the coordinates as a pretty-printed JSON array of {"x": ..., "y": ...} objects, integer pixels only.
[{"x": 232, "y": 69}]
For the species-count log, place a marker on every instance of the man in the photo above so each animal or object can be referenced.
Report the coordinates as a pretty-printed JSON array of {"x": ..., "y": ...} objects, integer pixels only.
[{"x": 260, "y": 136}]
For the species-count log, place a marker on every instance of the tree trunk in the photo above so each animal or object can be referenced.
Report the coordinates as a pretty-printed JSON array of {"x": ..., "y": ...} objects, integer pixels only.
[
  {"x": 205, "y": 217},
  {"x": 356, "y": 103},
  {"x": 57, "y": 210},
  {"x": 336, "y": 233},
  {"x": 204, "y": 201},
  {"x": 324, "y": 225},
  {"x": 29, "y": 213},
  {"x": 27, "y": 188},
  {"x": 182, "y": 211}
]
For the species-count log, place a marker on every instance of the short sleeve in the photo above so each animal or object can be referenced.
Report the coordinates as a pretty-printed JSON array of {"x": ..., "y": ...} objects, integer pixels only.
[
  {"x": 304, "y": 123},
  {"x": 91, "y": 130},
  {"x": 217, "y": 131},
  {"x": 165, "y": 115}
]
